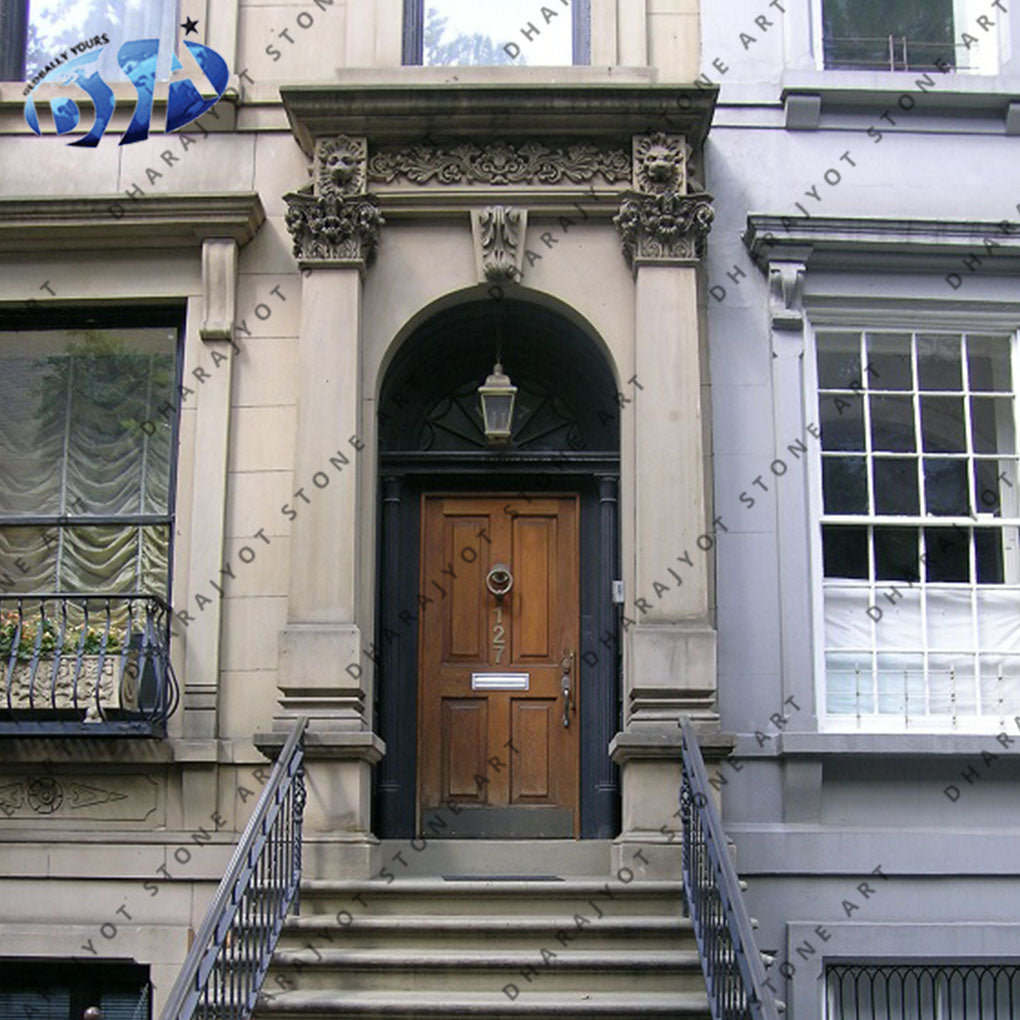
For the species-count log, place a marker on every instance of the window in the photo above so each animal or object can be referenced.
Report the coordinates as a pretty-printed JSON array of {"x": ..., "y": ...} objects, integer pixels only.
[
  {"x": 55, "y": 990},
  {"x": 922, "y": 991},
  {"x": 33, "y": 32},
  {"x": 908, "y": 35},
  {"x": 520, "y": 32},
  {"x": 87, "y": 448},
  {"x": 919, "y": 529}
]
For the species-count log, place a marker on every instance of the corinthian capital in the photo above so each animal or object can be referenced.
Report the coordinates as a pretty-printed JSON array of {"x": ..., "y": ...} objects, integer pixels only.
[{"x": 664, "y": 226}]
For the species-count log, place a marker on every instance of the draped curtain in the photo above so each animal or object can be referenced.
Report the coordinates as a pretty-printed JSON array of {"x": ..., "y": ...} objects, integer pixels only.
[{"x": 82, "y": 440}]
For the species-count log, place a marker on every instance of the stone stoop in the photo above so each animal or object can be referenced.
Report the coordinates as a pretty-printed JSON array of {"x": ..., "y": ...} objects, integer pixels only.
[{"x": 432, "y": 947}]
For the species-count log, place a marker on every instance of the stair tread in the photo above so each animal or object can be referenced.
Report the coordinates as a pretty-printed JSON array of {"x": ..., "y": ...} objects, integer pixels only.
[
  {"x": 474, "y": 886},
  {"x": 487, "y": 1004},
  {"x": 488, "y": 922},
  {"x": 616, "y": 959}
]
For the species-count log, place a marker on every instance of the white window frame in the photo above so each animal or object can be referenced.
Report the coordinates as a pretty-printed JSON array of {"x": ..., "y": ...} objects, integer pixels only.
[{"x": 918, "y": 319}]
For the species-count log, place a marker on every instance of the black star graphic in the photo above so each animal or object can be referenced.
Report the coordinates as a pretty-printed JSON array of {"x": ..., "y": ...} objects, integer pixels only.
[{"x": 189, "y": 26}]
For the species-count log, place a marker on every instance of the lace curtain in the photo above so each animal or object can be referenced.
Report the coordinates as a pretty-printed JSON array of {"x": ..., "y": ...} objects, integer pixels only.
[{"x": 82, "y": 438}]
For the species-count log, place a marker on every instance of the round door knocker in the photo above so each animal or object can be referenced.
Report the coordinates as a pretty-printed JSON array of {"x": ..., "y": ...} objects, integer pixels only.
[{"x": 499, "y": 580}]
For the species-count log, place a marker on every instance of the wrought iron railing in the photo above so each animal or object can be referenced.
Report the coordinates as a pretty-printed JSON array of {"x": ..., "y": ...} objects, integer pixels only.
[
  {"x": 85, "y": 663},
  {"x": 917, "y": 991},
  {"x": 734, "y": 973},
  {"x": 231, "y": 954}
]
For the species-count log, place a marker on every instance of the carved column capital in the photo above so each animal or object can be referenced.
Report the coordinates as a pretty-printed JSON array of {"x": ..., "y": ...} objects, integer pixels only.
[
  {"x": 333, "y": 220},
  {"x": 665, "y": 227}
]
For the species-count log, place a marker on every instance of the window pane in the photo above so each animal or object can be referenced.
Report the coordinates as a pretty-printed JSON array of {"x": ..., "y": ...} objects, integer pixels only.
[
  {"x": 842, "y": 422},
  {"x": 839, "y": 361},
  {"x": 906, "y": 35},
  {"x": 988, "y": 363},
  {"x": 989, "y": 489},
  {"x": 988, "y": 555},
  {"x": 992, "y": 424},
  {"x": 947, "y": 554},
  {"x": 896, "y": 554},
  {"x": 845, "y": 485},
  {"x": 896, "y": 485},
  {"x": 938, "y": 362},
  {"x": 889, "y": 361},
  {"x": 945, "y": 487},
  {"x": 942, "y": 426},
  {"x": 845, "y": 551},
  {"x": 892, "y": 424},
  {"x": 465, "y": 32},
  {"x": 55, "y": 25}
]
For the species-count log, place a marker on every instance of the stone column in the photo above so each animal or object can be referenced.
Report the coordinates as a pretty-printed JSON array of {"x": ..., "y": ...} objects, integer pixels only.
[
  {"x": 669, "y": 641},
  {"x": 322, "y": 671}
]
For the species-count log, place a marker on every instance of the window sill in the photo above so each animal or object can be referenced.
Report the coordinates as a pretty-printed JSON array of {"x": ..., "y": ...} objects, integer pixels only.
[
  {"x": 872, "y": 92},
  {"x": 886, "y": 745}
]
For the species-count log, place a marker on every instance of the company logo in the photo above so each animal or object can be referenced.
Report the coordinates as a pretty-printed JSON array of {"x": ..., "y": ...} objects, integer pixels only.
[{"x": 137, "y": 59}]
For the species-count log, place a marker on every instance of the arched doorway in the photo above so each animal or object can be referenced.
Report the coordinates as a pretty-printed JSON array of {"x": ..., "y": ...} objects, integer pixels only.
[{"x": 482, "y": 738}]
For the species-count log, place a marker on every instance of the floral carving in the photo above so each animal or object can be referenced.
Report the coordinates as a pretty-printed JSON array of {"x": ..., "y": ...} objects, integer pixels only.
[
  {"x": 664, "y": 226},
  {"x": 334, "y": 227},
  {"x": 499, "y": 163}
]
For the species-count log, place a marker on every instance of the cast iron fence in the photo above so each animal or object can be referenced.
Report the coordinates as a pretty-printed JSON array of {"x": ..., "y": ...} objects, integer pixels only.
[{"x": 908, "y": 991}]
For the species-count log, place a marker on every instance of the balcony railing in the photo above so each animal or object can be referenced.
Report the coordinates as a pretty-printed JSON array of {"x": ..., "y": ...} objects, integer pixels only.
[
  {"x": 85, "y": 664},
  {"x": 734, "y": 972}
]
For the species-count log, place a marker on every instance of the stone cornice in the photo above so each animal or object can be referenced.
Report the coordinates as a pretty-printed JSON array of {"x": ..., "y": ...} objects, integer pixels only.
[
  {"x": 397, "y": 114},
  {"x": 117, "y": 223},
  {"x": 868, "y": 242}
]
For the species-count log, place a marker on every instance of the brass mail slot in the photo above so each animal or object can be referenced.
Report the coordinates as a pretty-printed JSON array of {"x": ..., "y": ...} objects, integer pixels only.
[{"x": 500, "y": 681}]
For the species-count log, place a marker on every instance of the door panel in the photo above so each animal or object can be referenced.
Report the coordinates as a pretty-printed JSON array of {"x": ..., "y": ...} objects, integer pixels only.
[{"x": 502, "y": 758}]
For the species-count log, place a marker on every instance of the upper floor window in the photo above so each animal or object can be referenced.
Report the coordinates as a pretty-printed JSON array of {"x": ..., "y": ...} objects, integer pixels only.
[
  {"x": 87, "y": 446},
  {"x": 35, "y": 33},
  {"x": 519, "y": 32},
  {"x": 919, "y": 529},
  {"x": 909, "y": 35}
]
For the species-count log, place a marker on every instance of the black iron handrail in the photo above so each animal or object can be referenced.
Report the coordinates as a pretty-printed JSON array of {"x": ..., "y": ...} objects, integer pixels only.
[
  {"x": 229, "y": 959},
  {"x": 734, "y": 973},
  {"x": 85, "y": 663}
]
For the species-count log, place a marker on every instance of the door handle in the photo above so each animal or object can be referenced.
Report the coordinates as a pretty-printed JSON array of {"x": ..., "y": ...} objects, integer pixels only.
[{"x": 567, "y": 685}]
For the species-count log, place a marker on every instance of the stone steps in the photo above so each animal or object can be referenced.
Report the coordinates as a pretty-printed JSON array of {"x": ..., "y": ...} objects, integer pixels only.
[{"x": 482, "y": 947}]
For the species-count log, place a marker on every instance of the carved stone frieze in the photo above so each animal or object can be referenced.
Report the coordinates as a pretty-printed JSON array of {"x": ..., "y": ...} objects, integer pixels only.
[
  {"x": 334, "y": 228},
  {"x": 660, "y": 163},
  {"x": 499, "y": 163},
  {"x": 664, "y": 226},
  {"x": 499, "y": 242}
]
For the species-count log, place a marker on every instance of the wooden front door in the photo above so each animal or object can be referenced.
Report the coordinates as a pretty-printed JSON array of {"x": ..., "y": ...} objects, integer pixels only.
[{"x": 498, "y": 745}]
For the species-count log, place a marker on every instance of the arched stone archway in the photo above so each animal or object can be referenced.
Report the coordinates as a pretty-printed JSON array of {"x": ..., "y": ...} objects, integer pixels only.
[{"x": 565, "y": 442}]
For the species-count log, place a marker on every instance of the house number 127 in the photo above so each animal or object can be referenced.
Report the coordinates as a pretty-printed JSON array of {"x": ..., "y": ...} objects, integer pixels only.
[{"x": 498, "y": 635}]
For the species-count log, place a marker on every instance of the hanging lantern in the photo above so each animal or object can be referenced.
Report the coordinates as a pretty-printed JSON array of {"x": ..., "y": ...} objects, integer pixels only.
[{"x": 496, "y": 397}]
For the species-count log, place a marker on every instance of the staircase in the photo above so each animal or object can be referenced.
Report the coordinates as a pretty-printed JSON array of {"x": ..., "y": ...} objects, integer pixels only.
[{"x": 477, "y": 947}]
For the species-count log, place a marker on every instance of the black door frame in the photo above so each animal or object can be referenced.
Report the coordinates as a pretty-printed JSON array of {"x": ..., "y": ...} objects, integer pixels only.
[{"x": 403, "y": 479}]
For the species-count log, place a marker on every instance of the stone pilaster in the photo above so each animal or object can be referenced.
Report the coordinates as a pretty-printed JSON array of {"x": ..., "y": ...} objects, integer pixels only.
[
  {"x": 669, "y": 643},
  {"x": 323, "y": 672}
]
